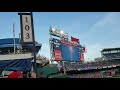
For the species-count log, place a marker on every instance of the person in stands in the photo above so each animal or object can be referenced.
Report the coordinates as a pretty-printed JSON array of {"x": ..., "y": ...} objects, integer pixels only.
[
  {"x": 15, "y": 74},
  {"x": 60, "y": 68},
  {"x": 25, "y": 74},
  {"x": 33, "y": 75},
  {"x": 41, "y": 75}
]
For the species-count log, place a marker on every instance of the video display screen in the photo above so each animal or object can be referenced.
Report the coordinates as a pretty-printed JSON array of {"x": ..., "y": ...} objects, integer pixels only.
[{"x": 69, "y": 53}]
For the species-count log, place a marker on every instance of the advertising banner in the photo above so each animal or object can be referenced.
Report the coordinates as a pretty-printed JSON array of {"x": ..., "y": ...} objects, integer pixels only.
[
  {"x": 81, "y": 56},
  {"x": 57, "y": 46},
  {"x": 58, "y": 55},
  {"x": 56, "y": 40}
]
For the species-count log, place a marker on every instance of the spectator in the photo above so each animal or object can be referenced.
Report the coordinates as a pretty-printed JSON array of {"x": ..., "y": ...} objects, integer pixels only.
[
  {"x": 15, "y": 74},
  {"x": 33, "y": 75},
  {"x": 59, "y": 68},
  {"x": 42, "y": 75},
  {"x": 25, "y": 74}
]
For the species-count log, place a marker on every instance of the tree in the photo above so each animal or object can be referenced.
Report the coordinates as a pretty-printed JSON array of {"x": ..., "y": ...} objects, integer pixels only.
[
  {"x": 98, "y": 59},
  {"x": 42, "y": 59}
]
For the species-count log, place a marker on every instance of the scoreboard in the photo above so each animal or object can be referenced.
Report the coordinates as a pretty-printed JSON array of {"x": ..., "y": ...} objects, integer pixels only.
[{"x": 66, "y": 51}]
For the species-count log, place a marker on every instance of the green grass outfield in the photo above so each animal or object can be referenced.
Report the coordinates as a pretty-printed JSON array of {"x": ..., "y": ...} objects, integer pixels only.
[{"x": 116, "y": 77}]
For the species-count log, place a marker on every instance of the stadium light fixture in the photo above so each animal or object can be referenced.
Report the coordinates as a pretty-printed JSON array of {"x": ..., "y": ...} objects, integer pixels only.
[
  {"x": 53, "y": 29},
  {"x": 61, "y": 32}
]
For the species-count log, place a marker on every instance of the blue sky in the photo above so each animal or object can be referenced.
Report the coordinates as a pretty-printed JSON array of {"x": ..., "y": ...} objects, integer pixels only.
[{"x": 96, "y": 30}]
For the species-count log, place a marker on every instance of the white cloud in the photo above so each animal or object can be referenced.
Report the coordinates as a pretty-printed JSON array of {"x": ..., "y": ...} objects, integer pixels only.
[
  {"x": 107, "y": 19},
  {"x": 110, "y": 19},
  {"x": 93, "y": 51},
  {"x": 108, "y": 23}
]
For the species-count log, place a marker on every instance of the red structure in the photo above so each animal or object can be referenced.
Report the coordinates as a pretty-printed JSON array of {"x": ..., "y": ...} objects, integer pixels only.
[{"x": 58, "y": 55}]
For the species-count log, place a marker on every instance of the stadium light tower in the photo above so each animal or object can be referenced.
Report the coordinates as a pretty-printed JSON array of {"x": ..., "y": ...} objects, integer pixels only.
[
  {"x": 53, "y": 29},
  {"x": 61, "y": 32}
]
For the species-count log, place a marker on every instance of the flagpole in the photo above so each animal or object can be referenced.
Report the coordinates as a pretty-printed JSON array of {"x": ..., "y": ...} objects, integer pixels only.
[
  {"x": 14, "y": 36},
  {"x": 35, "y": 64}
]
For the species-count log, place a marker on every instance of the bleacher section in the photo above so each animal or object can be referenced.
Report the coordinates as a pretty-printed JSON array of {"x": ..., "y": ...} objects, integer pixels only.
[
  {"x": 111, "y": 53},
  {"x": 111, "y": 56},
  {"x": 92, "y": 65}
]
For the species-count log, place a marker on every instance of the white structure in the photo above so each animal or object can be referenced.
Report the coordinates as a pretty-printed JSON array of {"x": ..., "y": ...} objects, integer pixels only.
[{"x": 15, "y": 56}]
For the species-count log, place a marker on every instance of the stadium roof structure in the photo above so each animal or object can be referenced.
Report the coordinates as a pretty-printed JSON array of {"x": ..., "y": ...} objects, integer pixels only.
[
  {"x": 23, "y": 64},
  {"x": 109, "y": 49},
  {"x": 9, "y": 43}
]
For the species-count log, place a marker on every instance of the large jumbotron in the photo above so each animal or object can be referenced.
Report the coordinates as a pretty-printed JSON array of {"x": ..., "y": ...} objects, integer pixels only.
[
  {"x": 63, "y": 49},
  {"x": 19, "y": 59}
]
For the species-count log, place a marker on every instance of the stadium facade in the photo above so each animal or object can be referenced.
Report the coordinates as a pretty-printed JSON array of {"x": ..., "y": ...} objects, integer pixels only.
[{"x": 19, "y": 59}]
